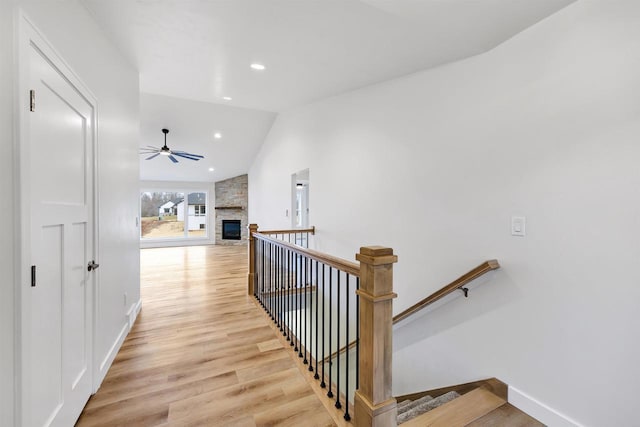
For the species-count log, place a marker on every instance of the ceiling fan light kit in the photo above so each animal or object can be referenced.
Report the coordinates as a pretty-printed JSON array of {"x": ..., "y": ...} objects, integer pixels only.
[{"x": 166, "y": 151}]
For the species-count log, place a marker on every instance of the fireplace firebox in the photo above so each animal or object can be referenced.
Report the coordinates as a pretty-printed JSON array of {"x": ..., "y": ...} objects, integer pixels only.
[{"x": 231, "y": 229}]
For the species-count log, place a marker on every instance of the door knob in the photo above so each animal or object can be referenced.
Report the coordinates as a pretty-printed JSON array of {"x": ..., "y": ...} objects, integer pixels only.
[{"x": 92, "y": 265}]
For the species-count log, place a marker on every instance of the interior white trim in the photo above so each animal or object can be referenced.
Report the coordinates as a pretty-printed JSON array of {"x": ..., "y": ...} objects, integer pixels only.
[
  {"x": 105, "y": 364},
  {"x": 539, "y": 410},
  {"x": 133, "y": 313}
]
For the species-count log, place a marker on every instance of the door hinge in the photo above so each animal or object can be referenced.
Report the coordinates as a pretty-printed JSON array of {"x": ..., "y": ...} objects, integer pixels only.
[
  {"x": 33, "y": 276},
  {"x": 32, "y": 100}
]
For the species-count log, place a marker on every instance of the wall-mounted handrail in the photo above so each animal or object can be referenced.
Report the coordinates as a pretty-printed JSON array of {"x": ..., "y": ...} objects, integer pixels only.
[{"x": 457, "y": 284}]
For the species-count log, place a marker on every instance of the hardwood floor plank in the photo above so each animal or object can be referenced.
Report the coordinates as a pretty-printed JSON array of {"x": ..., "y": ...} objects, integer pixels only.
[{"x": 202, "y": 353}]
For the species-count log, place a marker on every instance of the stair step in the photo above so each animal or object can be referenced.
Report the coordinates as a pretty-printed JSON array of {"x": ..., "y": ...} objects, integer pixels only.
[
  {"x": 459, "y": 412},
  {"x": 506, "y": 415},
  {"x": 403, "y": 404},
  {"x": 423, "y": 405},
  {"x": 412, "y": 404}
]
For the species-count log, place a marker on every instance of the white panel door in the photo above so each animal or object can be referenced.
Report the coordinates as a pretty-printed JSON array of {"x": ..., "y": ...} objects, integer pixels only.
[{"x": 59, "y": 327}]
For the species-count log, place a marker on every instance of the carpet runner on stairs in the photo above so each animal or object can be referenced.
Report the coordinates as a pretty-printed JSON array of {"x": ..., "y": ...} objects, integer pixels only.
[{"x": 408, "y": 409}]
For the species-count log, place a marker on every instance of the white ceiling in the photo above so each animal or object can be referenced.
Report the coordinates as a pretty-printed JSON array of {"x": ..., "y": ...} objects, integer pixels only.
[
  {"x": 200, "y": 50},
  {"x": 191, "y": 127}
]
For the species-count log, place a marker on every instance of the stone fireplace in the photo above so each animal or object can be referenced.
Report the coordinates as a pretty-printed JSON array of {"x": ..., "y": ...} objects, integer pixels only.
[
  {"x": 231, "y": 211},
  {"x": 231, "y": 229}
]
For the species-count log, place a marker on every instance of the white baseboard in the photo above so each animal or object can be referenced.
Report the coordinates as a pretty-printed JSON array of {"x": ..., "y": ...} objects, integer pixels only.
[
  {"x": 539, "y": 410},
  {"x": 111, "y": 355},
  {"x": 132, "y": 315}
]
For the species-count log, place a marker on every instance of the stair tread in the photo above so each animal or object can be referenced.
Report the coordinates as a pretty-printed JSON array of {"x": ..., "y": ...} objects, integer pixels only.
[
  {"x": 412, "y": 404},
  {"x": 403, "y": 404},
  {"x": 506, "y": 414},
  {"x": 424, "y": 405},
  {"x": 459, "y": 412}
]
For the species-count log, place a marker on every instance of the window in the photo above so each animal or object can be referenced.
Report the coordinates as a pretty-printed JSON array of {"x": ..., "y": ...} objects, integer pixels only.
[
  {"x": 197, "y": 217},
  {"x": 171, "y": 215}
]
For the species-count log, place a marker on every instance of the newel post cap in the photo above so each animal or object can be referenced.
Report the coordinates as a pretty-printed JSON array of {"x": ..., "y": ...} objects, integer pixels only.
[{"x": 376, "y": 255}]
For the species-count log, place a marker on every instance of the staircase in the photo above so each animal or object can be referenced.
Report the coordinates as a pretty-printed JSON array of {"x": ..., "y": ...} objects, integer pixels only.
[
  {"x": 477, "y": 404},
  {"x": 336, "y": 315}
]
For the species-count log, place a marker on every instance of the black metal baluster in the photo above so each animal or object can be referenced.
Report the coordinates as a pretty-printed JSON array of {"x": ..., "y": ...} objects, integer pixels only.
[
  {"x": 324, "y": 326},
  {"x": 255, "y": 265},
  {"x": 263, "y": 273},
  {"x": 300, "y": 283},
  {"x": 285, "y": 260},
  {"x": 296, "y": 320},
  {"x": 338, "y": 404},
  {"x": 258, "y": 256},
  {"x": 357, "y": 333},
  {"x": 279, "y": 289},
  {"x": 330, "y": 394},
  {"x": 290, "y": 337},
  {"x": 316, "y": 376},
  {"x": 274, "y": 284},
  {"x": 309, "y": 300},
  {"x": 304, "y": 313},
  {"x": 346, "y": 368},
  {"x": 270, "y": 293},
  {"x": 268, "y": 278}
]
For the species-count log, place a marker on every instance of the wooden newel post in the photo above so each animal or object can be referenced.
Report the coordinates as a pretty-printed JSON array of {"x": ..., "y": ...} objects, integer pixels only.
[
  {"x": 374, "y": 403},
  {"x": 251, "y": 277}
]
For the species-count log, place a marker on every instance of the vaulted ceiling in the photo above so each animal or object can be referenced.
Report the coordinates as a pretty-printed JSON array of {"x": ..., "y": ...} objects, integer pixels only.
[{"x": 201, "y": 50}]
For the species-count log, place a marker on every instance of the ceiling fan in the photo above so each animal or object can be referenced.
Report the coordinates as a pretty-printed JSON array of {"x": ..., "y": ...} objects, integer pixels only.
[{"x": 165, "y": 151}]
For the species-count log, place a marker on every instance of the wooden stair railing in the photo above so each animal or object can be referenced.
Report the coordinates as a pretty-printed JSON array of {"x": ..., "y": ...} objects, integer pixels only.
[
  {"x": 299, "y": 235},
  {"x": 311, "y": 230},
  {"x": 271, "y": 264},
  {"x": 458, "y": 284}
]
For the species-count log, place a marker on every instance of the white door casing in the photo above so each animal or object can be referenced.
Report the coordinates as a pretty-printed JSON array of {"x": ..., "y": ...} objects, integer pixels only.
[{"x": 57, "y": 177}]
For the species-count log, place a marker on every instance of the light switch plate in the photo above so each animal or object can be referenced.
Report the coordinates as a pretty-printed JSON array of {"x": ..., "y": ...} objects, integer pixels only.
[{"x": 518, "y": 226}]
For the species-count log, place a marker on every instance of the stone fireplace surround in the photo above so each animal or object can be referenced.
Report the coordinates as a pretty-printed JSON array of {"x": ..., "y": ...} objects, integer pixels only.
[{"x": 231, "y": 203}]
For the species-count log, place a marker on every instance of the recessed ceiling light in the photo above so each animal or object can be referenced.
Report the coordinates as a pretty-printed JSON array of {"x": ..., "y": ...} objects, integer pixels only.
[
  {"x": 211, "y": 169},
  {"x": 226, "y": 98},
  {"x": 257, "y": 66},
  {"x": 217, "y": 135}
]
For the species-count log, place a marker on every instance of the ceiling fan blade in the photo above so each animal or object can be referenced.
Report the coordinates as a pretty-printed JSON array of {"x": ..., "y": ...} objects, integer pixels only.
[
  {"x": 188, "y": 156},
  {"x": 184, "y": 152},
  {"x": 151, "y": 157},
  {"x": 173, "y": 159}
]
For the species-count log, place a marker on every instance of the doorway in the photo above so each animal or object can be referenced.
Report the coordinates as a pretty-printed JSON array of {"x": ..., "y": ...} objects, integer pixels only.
[
  {"x": 300, "y": 199},
  {"x": 300, "y": 202}
]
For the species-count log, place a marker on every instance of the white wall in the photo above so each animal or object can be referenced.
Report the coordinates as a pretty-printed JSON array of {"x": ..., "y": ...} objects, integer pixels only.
[
  {"x": 434, "y": 165},
  {"x": 7, "y": 225},
  {"x": 77, "y": 38}
]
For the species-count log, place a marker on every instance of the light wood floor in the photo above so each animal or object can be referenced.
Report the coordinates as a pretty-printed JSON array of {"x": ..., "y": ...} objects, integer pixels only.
[{"x": 202, "y": 353}]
